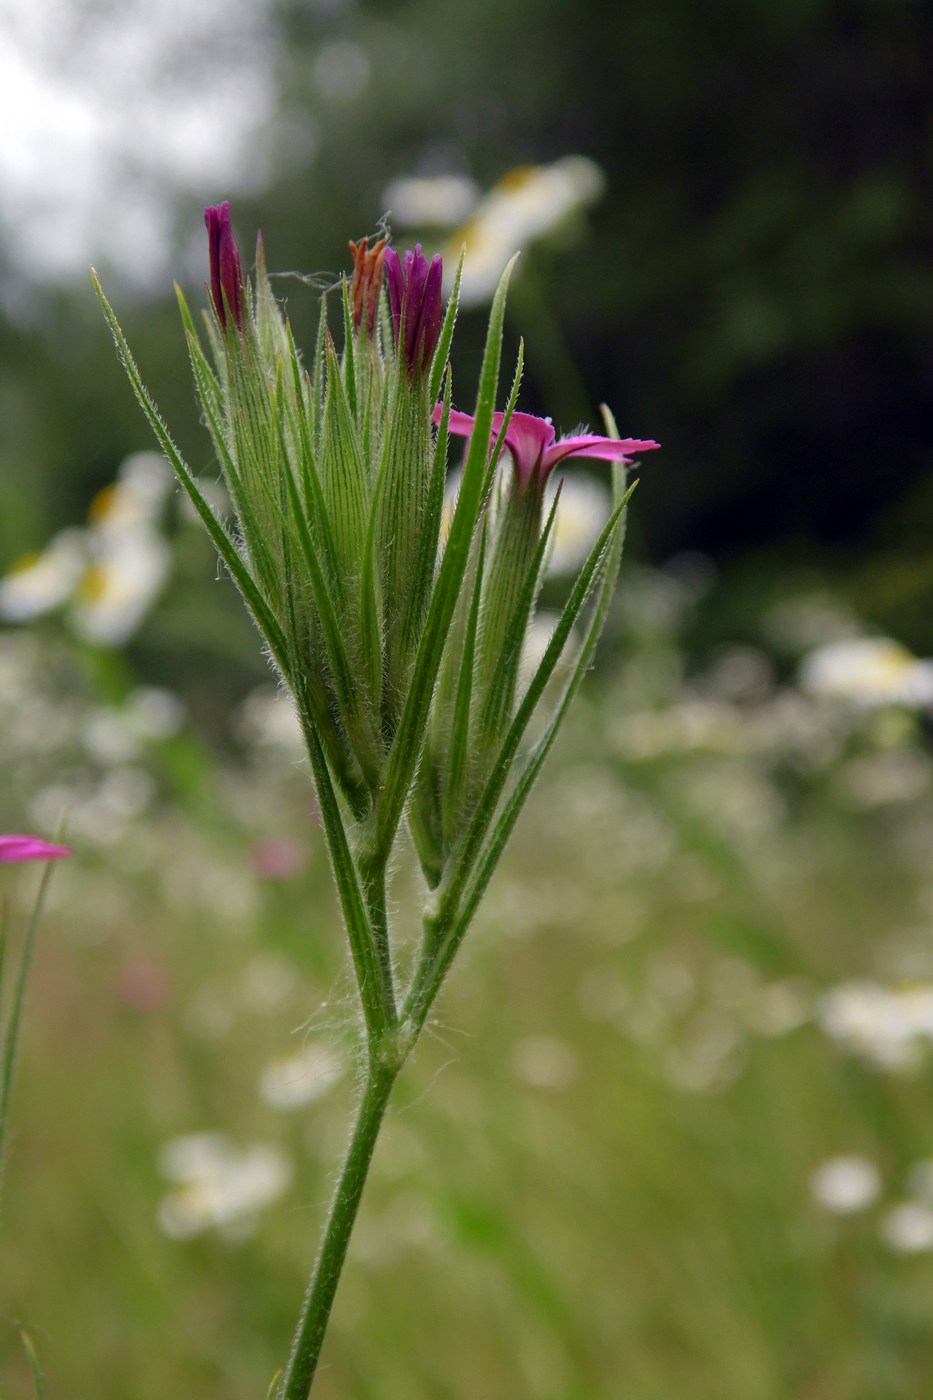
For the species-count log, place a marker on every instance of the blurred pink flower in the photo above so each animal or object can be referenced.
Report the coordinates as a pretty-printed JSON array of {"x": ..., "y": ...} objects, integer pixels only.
[
  {"x": 278, "y": 857},
  {"x": 143, "y": 985},
  {"x": 29, "y": 848},
  {"x": 531, "y": 441}
]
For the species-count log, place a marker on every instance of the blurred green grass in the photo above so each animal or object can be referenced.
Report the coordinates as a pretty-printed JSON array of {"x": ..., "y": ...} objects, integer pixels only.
[{"x": 595, "y": 1181}]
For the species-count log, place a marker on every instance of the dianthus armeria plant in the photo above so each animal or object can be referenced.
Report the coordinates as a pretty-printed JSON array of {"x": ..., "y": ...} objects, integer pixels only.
[{"x": 400, "y": 639}]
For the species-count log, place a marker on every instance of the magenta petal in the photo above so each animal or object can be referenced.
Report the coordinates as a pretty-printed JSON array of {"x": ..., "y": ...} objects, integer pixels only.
[
  {"x": 587, "y": 445},
  {"x": 460, "y": 423},
  {"x": 528, "y": 439},
  {"x": 29, "y": 848}
]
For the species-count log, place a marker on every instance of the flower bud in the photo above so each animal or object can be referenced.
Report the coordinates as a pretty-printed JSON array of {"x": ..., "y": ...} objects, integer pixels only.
[
  {"x": 415, "y": 300},
  {"x": 226, "y": 268},
  {"x": 367, "y": 279}
]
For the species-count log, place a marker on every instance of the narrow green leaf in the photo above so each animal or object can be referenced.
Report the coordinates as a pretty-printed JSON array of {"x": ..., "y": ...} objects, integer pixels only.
[
  {"x": 4, "y": 938},
  {"x": 210, "y": 378},
  {"x": 344, "y": 479},
  {"x": 433, "y": 507},
  {"x": 377, "y": 1000},
  {"x": 507, "y": 663},
  {"x": 38, "y": 1379},
  {"x": 499, "y": 444},
  {"x": 601, "y": 554},
  {"x": 409, "y": 737},
  {"x": 370, "y": 628},
  {"x": 459, "y": 741},
  {"x": 317, "y": 377},
  {"x": 518, "y": 796},
  {"x": 262, "y": 613},
  {"x": 314, "y": 505},
  {"x": 349, "y": 349},
  {"x": 338, "y": 660},
  {"x": 11, "y": 1028},
  {"x": 442, "y": 349}
]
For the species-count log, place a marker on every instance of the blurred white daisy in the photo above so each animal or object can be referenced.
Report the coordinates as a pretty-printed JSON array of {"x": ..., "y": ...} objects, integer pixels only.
[
  {"x": 584, "y": 508},
  {"x": 267, "y": 719},
  {"x": 120, "y": 586},
  {"x": 219, "y": 1186},
  {"x": 889, "y": 1026},
  {"x": 868, "y": 671},
  {"x": 137, "y": 497},
  {"x": 296, "y": 1080},
  {"x": 112, "y": 571},
  {"x": 908, "y": 1228},
  {"x": 39, "y": 583},
  {"x": 845, "y": 1185},
  {"x": 530, "y": 202},
  {"x": 432, "y": 201}
]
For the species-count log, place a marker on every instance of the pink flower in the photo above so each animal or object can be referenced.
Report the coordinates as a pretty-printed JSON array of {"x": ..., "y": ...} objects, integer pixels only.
[
  {"x": 415, "y": 298},
  {"x": 535, "y": 453},
  {"x": 29, "y": 848},
  {"x": 226, "y": 268}
]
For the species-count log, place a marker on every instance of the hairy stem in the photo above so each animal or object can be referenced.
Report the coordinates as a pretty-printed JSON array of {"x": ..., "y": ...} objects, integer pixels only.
[{"x": 306, "y": 1347}]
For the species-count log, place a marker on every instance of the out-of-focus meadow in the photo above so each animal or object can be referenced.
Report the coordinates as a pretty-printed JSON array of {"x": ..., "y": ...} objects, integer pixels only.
[{"x": 671, "y": 1130}]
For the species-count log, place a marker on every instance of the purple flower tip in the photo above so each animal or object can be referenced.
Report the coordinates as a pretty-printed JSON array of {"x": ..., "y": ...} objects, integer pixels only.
[
  {"x": 415, "y": 301},
  {"x": 226, "y": 268},
  {"x": 14, "y": 848}
]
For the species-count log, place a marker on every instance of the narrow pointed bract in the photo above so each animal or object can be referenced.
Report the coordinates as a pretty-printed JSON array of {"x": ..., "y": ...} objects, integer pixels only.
[
  {"x": 226, "y": 266},
  {"x": 415, "y": 301}
]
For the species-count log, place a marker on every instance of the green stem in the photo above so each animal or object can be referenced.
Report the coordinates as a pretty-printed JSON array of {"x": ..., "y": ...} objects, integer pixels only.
[
  {"x": 10, "y": 1040},
  {"x": 373, "y": 875},
  {"x": 306, "y": 1347}
]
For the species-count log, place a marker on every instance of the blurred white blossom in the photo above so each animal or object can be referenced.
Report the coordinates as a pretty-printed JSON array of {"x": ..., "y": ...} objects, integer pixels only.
[
  {"x": 530, "y": 202},
  {"x": 889, "y": 1026},
  {"x": 430, "y": 201},
  {"x": 845, "y": 1185},
  {"x": 38, "y": 583},
  {"x": 908, "y": 1228},
  {"x": 868, "y": 671},
  {"x": 299, "y": 1079},
  {"x": 219, "y": 1186},
  {"x": 109, "y": 573}
]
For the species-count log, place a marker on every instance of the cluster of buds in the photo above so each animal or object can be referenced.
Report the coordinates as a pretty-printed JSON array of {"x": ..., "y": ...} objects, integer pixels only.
[
  {"x": 399, "y": 635},
  {"x": 401, "y": 641}
]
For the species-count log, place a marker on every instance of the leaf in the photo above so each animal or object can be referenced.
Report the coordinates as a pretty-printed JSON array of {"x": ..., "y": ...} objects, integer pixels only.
[
  {"x": 462, "y": 889},
  {"x": 409, "y": 737},
  {"x": 255, "y": 602},
  {"x": 458, "y": 746},
  {"x": 377, "y": 998},
  {"x": 442, "y": 349},
  {"x": 11, "y": 1027},
  {"x": 517, "y": 605},
  {"x": 30, "y": 1350}
]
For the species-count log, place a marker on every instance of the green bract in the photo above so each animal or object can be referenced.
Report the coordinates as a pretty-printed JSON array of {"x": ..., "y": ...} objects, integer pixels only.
[{"x": 401, "y": 649}]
